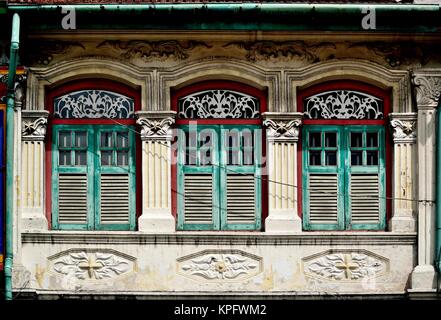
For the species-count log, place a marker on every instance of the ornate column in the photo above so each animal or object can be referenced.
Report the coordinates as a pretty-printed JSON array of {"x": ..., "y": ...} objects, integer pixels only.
[
  {"x": 33, "y": 134},
  {"x": 282, "y": 136},
  {"x": 404, "y": 135},
  {"x": 428, "y": 88},
  {"x": 156, "y": 164}
]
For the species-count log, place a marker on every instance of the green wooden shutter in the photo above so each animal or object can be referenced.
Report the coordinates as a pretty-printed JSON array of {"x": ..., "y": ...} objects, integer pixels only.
[
  {"x": 86, "y": 194},
  {"x": 218, "y": 195},
  {"x": 240, "y": 178},
  {"x": 115, "y": 179},
  {"x": 72, "y": 188},
  {"x": 323, "y": 178},
  {"x": 366, "y": 179},
  {"x": 348, "y": 194},
  {"x": 198, "y": 179}
]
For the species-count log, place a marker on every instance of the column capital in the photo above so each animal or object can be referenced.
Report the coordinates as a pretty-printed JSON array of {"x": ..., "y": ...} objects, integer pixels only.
[
  {"x": 155, "y": 125},
  {"x": 427, "y": 88},
  {"x": 404, "y": 126},
  {"x": 34, "y": 124},
  {"x": 283, "y": 127}
]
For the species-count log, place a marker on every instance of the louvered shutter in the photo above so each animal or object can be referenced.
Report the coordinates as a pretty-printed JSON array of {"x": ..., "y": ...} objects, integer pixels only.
[
  {"x": 72, "y": 199},
  {"x": 114, "y": 199},
  {"x": 198, "y": 198},
  {"x": 365, "y": 202},
  {"x": 323, "y": 199},
  {"x": 241, "y": 199}
]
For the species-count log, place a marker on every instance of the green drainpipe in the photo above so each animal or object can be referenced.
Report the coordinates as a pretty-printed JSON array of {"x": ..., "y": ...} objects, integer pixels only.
[
  {"x": 10, "y": 153},
  {"x": 438, "y": 192}
]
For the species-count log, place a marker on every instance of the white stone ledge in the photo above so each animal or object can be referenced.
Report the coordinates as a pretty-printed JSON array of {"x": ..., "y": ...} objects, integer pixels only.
[
  {"x": 54, "y": 294},
  {"x": 219, "y": 238}
]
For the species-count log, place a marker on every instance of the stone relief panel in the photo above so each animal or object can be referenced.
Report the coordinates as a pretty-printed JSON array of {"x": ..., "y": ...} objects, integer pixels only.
[
  {"x": 91, "y": 264},
  {"x": 146, "y": 50},
  {"x": 219, "y": 265},
  {"x": 345, "y": 265}
]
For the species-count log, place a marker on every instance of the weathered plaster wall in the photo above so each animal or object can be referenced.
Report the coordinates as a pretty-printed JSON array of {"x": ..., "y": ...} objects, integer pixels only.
[{"x": 281, "y": 259}]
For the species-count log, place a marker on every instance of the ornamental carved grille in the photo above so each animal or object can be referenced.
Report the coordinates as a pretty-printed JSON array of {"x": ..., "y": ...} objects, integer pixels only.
[
  {"x": 343, "y": 104},
  {"x": 93, "y": 104},
  {"x": 218, "y": 104}
]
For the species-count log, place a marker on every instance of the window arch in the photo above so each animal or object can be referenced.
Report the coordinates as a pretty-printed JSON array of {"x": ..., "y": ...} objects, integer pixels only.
[
  {"x": 345, "y": 152},
  {"x": 217, "y": 180},
  {"x": 92, "y": 157}
]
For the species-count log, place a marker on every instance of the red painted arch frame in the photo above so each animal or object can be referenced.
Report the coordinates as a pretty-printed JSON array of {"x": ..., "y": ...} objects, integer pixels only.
[
  {"x": 383, "y": 94},
  {"x": 261, "y": 95},
  {"x": 96, "y": 84}
]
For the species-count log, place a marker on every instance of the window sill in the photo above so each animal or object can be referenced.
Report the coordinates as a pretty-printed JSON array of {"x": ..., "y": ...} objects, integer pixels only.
[{"x": 318, "y": 238}]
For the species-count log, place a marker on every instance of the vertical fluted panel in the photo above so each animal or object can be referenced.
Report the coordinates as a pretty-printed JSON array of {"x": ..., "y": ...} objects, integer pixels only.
[
  {"x": 32, "y": 173},
  {"x": 282, "y": 175},
  {"x": 155, "y": 178}
]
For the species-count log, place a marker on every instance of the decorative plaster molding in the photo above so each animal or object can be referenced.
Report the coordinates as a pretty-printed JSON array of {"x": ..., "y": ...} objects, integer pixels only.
[
  {"x": 155, "y": 128},
  {"x": 93, "y": 104},
  {"x": 93, "y": 264},
  {"x": 345, "y": 265},
  {"x": 34, "y": 124},
  {"x": 404, "y": 53},
  {"x": 265, "y": 50},
  {"x": 428, "y": 89},
  {"x": 218, "y": 104},
  {"x": 343, "y": 104},
  {"x": 170, "y": 49},
  {"x": 220, "y": 265},
  {"x": 282, "y": 126},
  {"x": 404, "y": 127},
  {"x": 43, "y": 51}
]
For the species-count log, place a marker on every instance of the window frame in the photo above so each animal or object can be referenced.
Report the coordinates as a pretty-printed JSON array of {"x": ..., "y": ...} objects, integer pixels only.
[
  {"x": 382, "y": 93},
  {"x": 261, "y": 95},
  {"x": 219, "y": 170},
  {"x": 93, "y": 173},
  {"x": 129, "y": 124},
  {"x": 343, "y": 170}
]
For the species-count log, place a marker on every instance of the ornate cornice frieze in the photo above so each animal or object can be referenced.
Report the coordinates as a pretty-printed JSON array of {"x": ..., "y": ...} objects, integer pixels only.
[
  {"x": 282, "y": 126},
  {"x": 170, "y": 49},
  {"x": 43, "y": 51},
  {"x": 403, "y": 127},
  {"x": 34, "y": 124},
  {"x": 264, "y": 50},
  {"x": 155, "y": 125},
  {"x": 427, "y": 89}
]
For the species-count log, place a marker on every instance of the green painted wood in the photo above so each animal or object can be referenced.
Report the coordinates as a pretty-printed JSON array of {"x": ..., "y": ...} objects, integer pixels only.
[
  {"x": 368, "y": 169},
  {"x": 219, "y": 171},
  {"x": 93, "y": 171},
  {"x": 343, "y": 169}
]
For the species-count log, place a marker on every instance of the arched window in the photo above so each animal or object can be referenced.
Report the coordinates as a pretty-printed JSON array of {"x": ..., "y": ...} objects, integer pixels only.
[
  {"x": 218, "y": 182},
  {"x": 91, "y": 163},
  {"x": 344, "y": 156}
]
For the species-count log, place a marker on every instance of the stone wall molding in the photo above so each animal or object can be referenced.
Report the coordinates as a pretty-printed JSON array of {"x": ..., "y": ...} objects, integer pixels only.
[
  {"x": 349, "y": 69},
  {"x": 221, "y": 69},
  {"x": 86, "y": 68}
]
